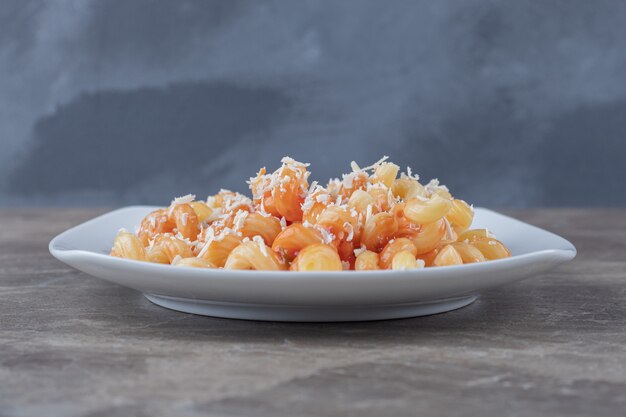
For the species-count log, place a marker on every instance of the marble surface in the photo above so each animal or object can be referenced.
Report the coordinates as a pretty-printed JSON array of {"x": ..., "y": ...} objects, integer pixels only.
[{"x": 71, "y": 345}]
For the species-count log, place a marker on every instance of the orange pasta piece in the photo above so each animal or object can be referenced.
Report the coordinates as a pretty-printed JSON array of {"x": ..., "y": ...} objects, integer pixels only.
[
  {"x": 128, "y": 246},
  {"x": 155, "y": 223},
  {"x": 166, "y": 248},
  {"x": 406, "y": 228},
  {"x": 448, "y": 256},
  {"x": 294, "y": 238},
  {"x": 469, "y": 253},
  {"x": 427, "y": 211},
  {"x": 352, "y": 182},
  {"x": 314, "y": 204},
  {"x": 192, "y": 262},
  {"x": 460, "y": 215},
  {"x": 255, "y": 224},
  {"x": 360, "y": 200},
  {"x": 394, "y": 247},
  {"x": 407, "y": 188},
  {"x": 366, "y": 261},
  {"x": 186, "y": 220},
  {"x": 473, "y": 234},
  {"x": 254, "y": 255},
  {"x": 288, "y": 193},
  {"x": 385, "y": 173},
  {"x": 203, "y": 211},
  {"x": 404, "y": 260},
  {"x": 491, "y": 248},
  {"x": 429, "y": 236},
  {"x": 217, "y": 251},
  {"x": 429, "y": 256},
  {"x": 383, "y": 198},
  {"x": 318, "y": 257},
  {"x": 229, "y": 202},
  {"x": 339, "y": 221},
  {"x": 378, "y": 230}
]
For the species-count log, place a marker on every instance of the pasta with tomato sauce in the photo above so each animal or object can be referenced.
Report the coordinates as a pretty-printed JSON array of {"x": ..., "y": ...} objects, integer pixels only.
[{"x": 370, "y": 219}]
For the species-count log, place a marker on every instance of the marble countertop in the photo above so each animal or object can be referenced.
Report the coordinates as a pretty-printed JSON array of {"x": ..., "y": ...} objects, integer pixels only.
[{"x": 72, "y": 345}]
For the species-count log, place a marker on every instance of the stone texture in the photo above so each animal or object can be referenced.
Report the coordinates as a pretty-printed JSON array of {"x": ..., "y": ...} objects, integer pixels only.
[{"x": 72, "y": 345}]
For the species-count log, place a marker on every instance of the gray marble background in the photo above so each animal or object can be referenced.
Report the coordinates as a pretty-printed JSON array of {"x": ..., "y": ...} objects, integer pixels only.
[{"x": 517, "y": 103}]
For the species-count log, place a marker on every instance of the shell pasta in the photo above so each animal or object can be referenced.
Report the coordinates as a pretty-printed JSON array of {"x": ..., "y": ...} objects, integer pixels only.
[{"x": 373, "y": 218}]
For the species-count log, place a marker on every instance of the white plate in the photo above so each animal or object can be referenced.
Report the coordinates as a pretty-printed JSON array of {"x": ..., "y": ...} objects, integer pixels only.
[{"x": 311, "y": 296}]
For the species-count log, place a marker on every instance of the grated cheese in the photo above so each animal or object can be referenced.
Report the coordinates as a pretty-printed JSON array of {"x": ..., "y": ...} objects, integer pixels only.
[
  {"x": 184, "y": 199},
  {"x": 348, "y": 180},
  {"x": 204, "y": 249},
  {"x": 390, "y": 199},
  {"x": 409, "y": 175},
  {"x": 347, "y": 226},
  {"x": 322, "y": 198},
  {"x": 326, "y": 235},
  {"x": 287, "y": 160},
  {"x": 239, "y": 219},
  {"x": 360, "y": 250},
  {"x": 375, "y": 165},
  {"x": 307, "y": 205},
  {"x": 262, "y": 209},
  {"x": 433, "y": 186},
  {"x": 259, "y": 240},
  {"x": 312, "y": 187}
]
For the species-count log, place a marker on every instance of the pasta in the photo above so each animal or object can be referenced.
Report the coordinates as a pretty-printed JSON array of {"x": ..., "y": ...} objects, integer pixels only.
[
  {"x": 393, "y": 248},
  {"x": 404, "y": 260},
  {"x": 378, "y": 230},
  {"x": 367, "y": 261},
  {"x": 254, "y": 254},
  {"x": 167, "y": 247},
  {"x": 193, "y": 262},
  {"x": 491, "y": 248},
  {"x": 370, "y": 219},
  {"x": 128, "y": 246},
  {"x": 294, "y": 238},
  {"x": 317, "y": 257},
  {"x": 255, "y": 224},
  {"x": 448, "y": 256},
  {"x": 427, "y": 210}
]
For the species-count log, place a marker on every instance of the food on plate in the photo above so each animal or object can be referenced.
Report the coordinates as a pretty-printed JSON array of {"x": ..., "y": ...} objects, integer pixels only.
[{"x": 370, "y": 219}]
